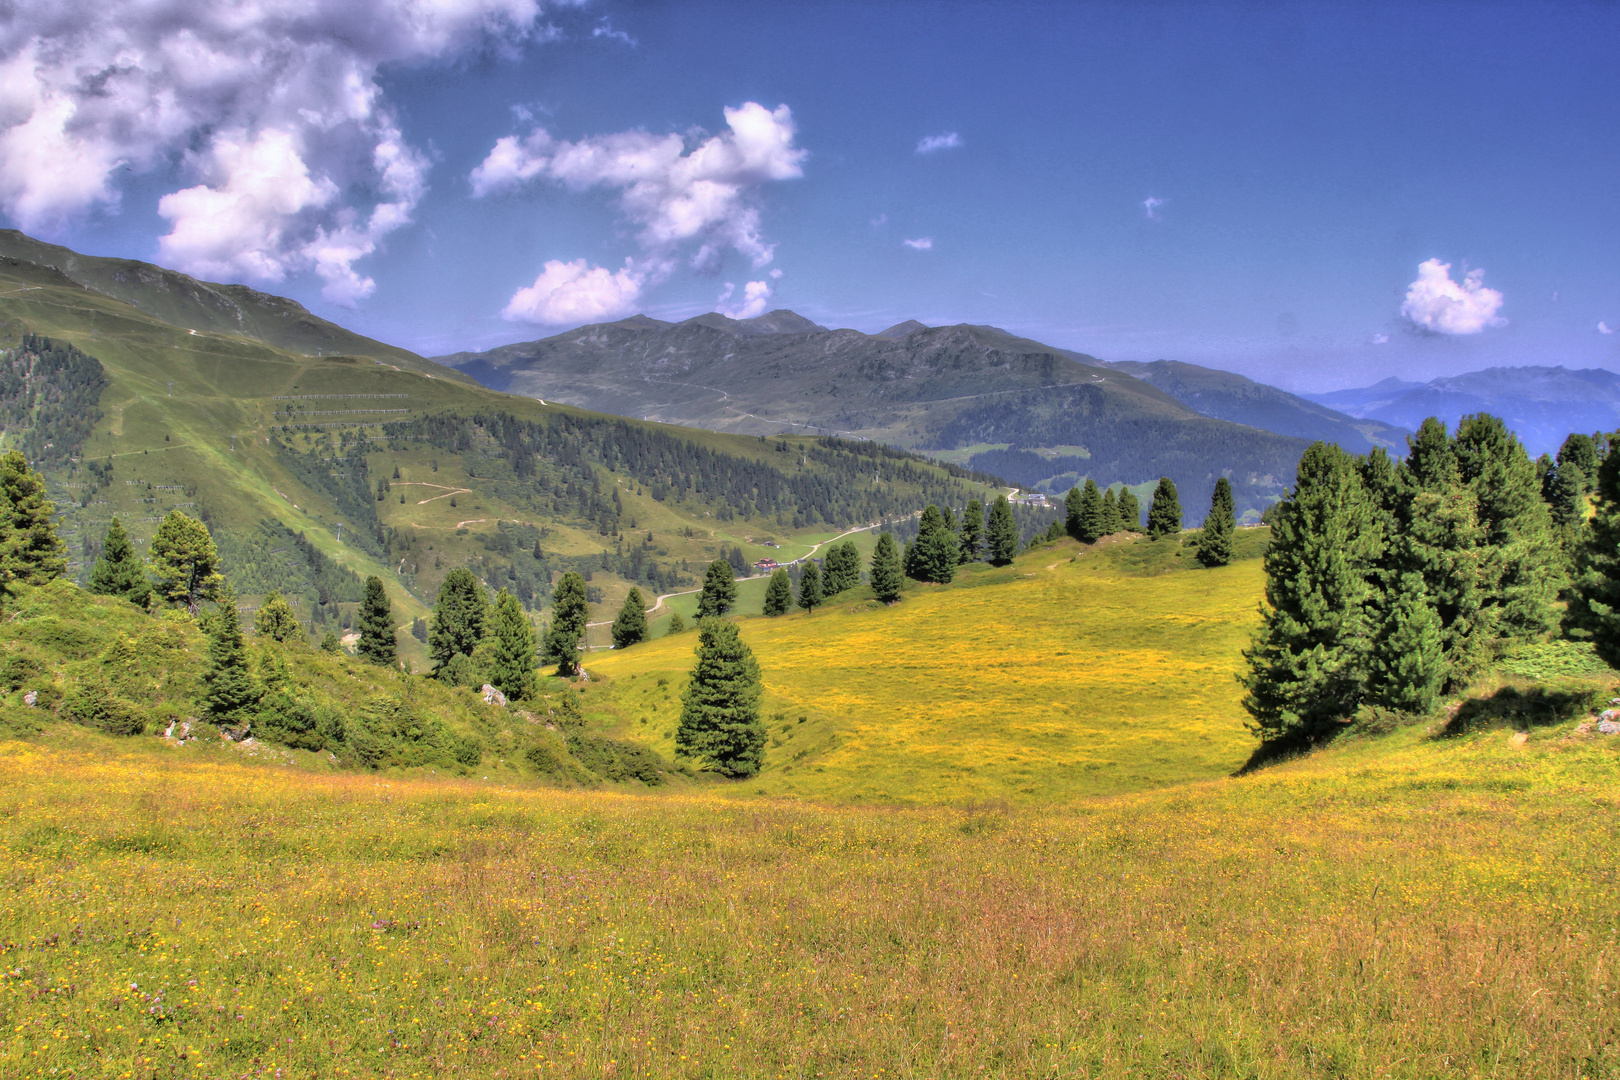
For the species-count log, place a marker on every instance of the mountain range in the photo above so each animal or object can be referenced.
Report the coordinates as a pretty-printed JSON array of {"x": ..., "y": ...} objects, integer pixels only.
[{"x": 1541, "y": 404}]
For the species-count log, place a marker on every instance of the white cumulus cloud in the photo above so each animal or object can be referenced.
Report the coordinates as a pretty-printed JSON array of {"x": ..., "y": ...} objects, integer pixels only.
[
  {"x": 922, "y": 243},
  {"x": 950, "y": 140},
  {"x": 1604, "y": 328},
  {"x": 1151, "y": 206},
  {"x": 272, "y": 106},
  {"x": 573, "y": 292},
  {"x": 756, "y": 295},
  {"x": 1380, "y": 339},
  {"x": 1439, "y": 305},
  {"x": 696, "y": 193}
]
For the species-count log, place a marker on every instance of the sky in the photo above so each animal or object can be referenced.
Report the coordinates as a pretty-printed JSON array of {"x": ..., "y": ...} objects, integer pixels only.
[{"x": 1317, "y": 196}]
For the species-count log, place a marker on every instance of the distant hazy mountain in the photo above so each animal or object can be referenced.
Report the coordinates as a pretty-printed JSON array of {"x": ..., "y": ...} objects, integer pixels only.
[
  {"x": 975, "y": 394},
  {"x": 1227, "y": 396},
  {"x": 1541, "y": 404}
]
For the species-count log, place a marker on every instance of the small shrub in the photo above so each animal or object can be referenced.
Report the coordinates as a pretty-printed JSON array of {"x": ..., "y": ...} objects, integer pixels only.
[{"x": 94, "y": 705}]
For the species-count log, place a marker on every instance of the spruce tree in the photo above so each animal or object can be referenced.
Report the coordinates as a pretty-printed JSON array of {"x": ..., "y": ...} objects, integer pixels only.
[
  {"x": 185, "y": 562},
  {"x": 810, "y": 595},
  {"x": 1110, "y": 513},
  {"x": 973, "y": 531},
  {"x": 1164, "y": 513},
  {"x": 677, "y": 625},
  {"x": 779, "y": 593},
  {"x": 1594, "y": 595},
  {"x": 719, "y": 590},
  {"x": 1074, "y": 512},
  {"x": 1581, "y": 455},
  {"x": 459, "y": 617},
  {"x": 275, "y": 619},
  {"x": 1002, "y": 532},
  {"x": 1308, "y": 661},
  {"x": 378, "y": 641},
  {"x": 720, "y": 721},
  {"x": 842, "y": 569},
  {"x": 1522, "y": 576},
  {"x": 1215, "y": 542},
  {"x": 30, "y": 551},
  {"x": 1130, "y": 511},
  {"x": 570, "y": 612},
  {"x": 630, "y": 624},
  {"x": 935, "y": 555},
  {"x": 512, "y": 668},
  {"x": 119, "y": 571},
  {"x": 886, "y": 575},
  {"x": 330, "y": 643},
  {"x": 1407, "y": 667},
  {"x": 1093, "y": 521},
  {"x": 228, "y": 690}
]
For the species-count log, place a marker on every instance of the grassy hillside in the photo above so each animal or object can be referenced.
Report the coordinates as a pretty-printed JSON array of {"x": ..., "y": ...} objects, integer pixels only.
[
  {"x": 266, "y": 441},
  {"x": 1411, "y": 906},
  {"x": 1071, "y": 672}
]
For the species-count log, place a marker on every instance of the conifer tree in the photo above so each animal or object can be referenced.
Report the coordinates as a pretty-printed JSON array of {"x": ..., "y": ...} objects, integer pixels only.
[
  {"x": 886, "y": 574},
  {"x": 1594, "y": 601},
  {"x": 512, "y": 668},
  {"x": 185, "y": 562},
  {"x": 1308, "y": 661},
  {"x": 275, "y": 619},
  {"x": 841, "y": 570},
  {"x": 330, "y": 642},
  {"x": 1407, "y": 667},
  {"x": 810, "y": 594},
  {"x": 630, "y": 625},
  {"x": 30, "y": 551},
  {"x": 719, "y": 590},
  {"x": 1130, "y": 511},
  {"x": 1093, "y": 521},
  {"x": 1215, "y": 542},
  {"x": 1110, "y": 513},
  {"x": 378, "y": 641},
  {"x": 973, "y": 531},
  {"x": 1074, "y": 512},
  {"x": 720, "y": 721},
  {"x": 1164, "y": 513},
  {"x": 1002, "y": 532},
  {"x": 676, "y": 625},
  {"x": 228, "y": 690},
  {"x": 1580, "y": 455},
  {"x": 935, "y": 555},
  {"x": 119, "y": 570},
  {"x": 570, "y": 611},
  {"x": 779, "y": 593},
  {"x": 459, "y": 618}
]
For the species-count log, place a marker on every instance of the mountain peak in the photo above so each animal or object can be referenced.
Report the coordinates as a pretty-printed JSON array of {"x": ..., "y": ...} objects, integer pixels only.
[{"x": 900, "y": 330}]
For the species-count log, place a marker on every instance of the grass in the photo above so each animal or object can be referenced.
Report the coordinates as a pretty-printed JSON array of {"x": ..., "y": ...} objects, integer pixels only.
[
  {"x": 1040, "y": 682},
  {"x": 1401, "y": 907}
]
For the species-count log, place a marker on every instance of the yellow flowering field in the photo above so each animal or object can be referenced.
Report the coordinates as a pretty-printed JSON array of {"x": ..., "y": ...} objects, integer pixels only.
[
  {"x": 1407, "y": 907},
  {"x": 1042, "y": 681}
]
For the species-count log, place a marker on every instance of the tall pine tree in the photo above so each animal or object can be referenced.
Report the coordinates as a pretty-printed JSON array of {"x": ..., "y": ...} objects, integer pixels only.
[
  {"x": 570, "y": 611},
  {"x": 1130, "y": 511},
  {"x": 275, "y": 619},
  {"x": 119, "y": 571},
  {"x": 887, "y": 578},
  {"x": 30, "y": 551},
  {"x": 1002, "y": 532},
  {"x": 935, "y": 556},
  {"x": 778, "y": 593},
  {"x": 630, "y": 625},
  {"x": 1594, "y": 601},
  {"x": 810, "y": 594},
  {"x": 379, "y": 643},
  {"x": 1111, "y": 523},
  {"x": 842, "y": 569},
  {"x": 1074, "y": 512},
  {"x": 1308, "y": 662},
  {"x": 973, "y": 531},
  {"x": 1164, "y": 513},
  {"x": 719, "y": 593},
  {"x": 720, "y": 721},
  {"x": 512, "y": 668},
  {"x": 1215, "y": 542},
  {"x": 1093, "y": 519},
  {"x": 1407, "y": 664},
  {"x": 185, "y": 562},
  {"x": 228, "y": 690},
  {"x": 459, "y": 618}
]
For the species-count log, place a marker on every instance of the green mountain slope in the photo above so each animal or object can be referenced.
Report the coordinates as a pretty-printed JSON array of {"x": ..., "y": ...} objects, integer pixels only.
[
  {"x": 1008, "y": 405},
  {"x": 1228, "y": 396},
  {"x": 314, "y": 470}
]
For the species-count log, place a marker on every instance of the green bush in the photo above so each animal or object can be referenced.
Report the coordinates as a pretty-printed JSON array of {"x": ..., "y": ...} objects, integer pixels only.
[
  {"x": 1554, "y": 660},
  {"x": 94, "y": 705},
  {"x": 617, "y": 761}
]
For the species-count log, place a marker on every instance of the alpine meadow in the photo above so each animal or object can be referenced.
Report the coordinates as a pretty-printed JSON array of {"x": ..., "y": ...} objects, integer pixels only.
[{"x": 1150, "y": 608}]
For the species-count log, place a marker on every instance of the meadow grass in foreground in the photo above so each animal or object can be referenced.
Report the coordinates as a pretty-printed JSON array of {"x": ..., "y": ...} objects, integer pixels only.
[
  {"x": 1055, "y": 677},
  {"x": 1405, "y": 907}
]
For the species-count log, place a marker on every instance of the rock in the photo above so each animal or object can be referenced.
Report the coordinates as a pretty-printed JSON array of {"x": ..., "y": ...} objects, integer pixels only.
[
  {"x": 1609, "y": 714},
  {"x": 1520, "y": 738},
  {"x": 31, "y": 698},
  {"x": 1609, "y": 727},
  {"x": 493, "y": 696}
]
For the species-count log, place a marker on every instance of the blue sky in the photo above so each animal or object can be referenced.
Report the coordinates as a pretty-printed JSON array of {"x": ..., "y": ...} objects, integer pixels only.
[{"x": 1244, "y": 186}]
